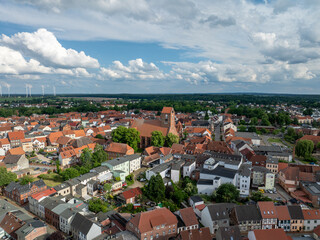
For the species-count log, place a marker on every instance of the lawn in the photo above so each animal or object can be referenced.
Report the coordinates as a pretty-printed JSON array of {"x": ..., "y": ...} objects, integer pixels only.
[
  {"x": 274, "y": 140},
  {"x": 52, "y": 179}
]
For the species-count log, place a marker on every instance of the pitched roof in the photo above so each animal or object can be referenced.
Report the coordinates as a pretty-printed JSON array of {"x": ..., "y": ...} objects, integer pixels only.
[
  {"x": 196, "y": 234},
  {"x": 188, "y": 216},
  {"x": 12, "y": 159},
  {"x": 295, "y": 212},
  {"x": 267, "y": 210},
  {"x": 146, "y": 221},
  {"x": 267, "y": 234},
  {"x": 283, "y": 212},
  {"x": 121, "y": 148},
  {"x": 16, "y": 151},
  {"x": 81, "y": 223},
  {"x": 132, "y": 193},
  {"x": 311, "y": 214},
  {"x": 18, "y": 135},
  {"x": 220, "y": 210},
  {"x": 247, "y": 213},
  {"x": 44, "y": 193},
  {"x": 166, "y": 110}
]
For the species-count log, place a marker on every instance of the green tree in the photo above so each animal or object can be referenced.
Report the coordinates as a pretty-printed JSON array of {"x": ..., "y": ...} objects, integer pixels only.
[
  {"x": 318, "y": 145},
  {"x": 265, "y": 121},
  {"x": 206, "y": 117},
  {"x": 97, "y": 205},
  {"x": 133, "y": 138},
  {"x": 69, "y": 173},
  {"x": 295, "y": 121},
  {"x": 86, "y": 158},
  {"x": 308, "y": 112},
  {"x": 304, "y": 148},
  {"x": 226, "y": 193},
  {"x": 99, "y": 136},
  {"x": 155, "y": 189},
  {"x": 242, "y": 128},
  {"x": 107, "y": 187},
  {"x": 258, "y": 196},
  {"x": 26, "y": 179},
  {"x": 6, "y": 177},
  {"x": 99, "y": 155},
  {"x": 157, "y": 139},
  {"x": 254, "y": 121},
  {"x": 171, "y": 139},
  {"x": 119, "y": 134}
]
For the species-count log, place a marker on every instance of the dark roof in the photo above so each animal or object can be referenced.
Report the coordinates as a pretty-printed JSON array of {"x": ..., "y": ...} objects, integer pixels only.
[
  {"x": 220, "y": 210},
  {"x": 24, "y": 188},
  {"x": 81, "y": 223},
  {"x": 295, "y": 212},
  {"x": 205, "y": 182},
  {"x": 77, "y": 143},
  {"x": 12, "y": 159},
  {"x": 196, "y": 199},
  {"x": 247, "y": 213},
  {"x": 232, "y": 232},
  {"x": 220, "y": 171},
  {"x": 245, "y": 170}
]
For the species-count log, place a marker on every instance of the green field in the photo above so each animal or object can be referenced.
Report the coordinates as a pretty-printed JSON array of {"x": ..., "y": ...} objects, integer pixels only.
[
  {"x": 52, "y": 179},
  {"x": 274, "y": 140}
]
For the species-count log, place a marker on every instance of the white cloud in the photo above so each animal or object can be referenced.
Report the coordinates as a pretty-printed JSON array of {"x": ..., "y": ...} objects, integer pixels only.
[
  {"x": 135, "y": 70},
  {"x": 43, "y": 46}
]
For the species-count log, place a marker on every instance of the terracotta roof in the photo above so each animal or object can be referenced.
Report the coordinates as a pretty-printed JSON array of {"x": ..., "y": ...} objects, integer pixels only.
[
  {"x": 146, "y": 221},
  {"x": 146, "y": 127},
  {"x": 16, "y": 151},
  {"x": 311, "y": 214},
  {"x": 200, "y": 206},
  {"x": 18, "y": 135},
  {"x": 188, "y": 216},
  {"x": 54, "y": 136},
  {"x": 219, "y": 146},
  {"x": 267, "y": 210},
  {"x": 132, "y": 193},
  {"x": 317, "y": 230},
  {"x": 167, "y": 110},
  {"x": 121, "y": 148},
  {"x": 44, "y": 193},
  {"x": 267, "y": 234},
  {"x": 196, "y": 234},
  {"x": 79, "y": 133},
  {"x": 283, "y": 213},
  {"x": 282, "y": 165},
  {"x": 63, "y": 140},
  {"x": 4, "y": 141}
]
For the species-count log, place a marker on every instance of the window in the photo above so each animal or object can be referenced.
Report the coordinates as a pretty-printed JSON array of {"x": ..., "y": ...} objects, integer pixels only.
[{"x": 157, "y": 236}]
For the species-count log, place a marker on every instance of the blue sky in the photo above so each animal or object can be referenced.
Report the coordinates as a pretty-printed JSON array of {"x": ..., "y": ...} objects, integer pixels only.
[{"x": 181, "y": 46}]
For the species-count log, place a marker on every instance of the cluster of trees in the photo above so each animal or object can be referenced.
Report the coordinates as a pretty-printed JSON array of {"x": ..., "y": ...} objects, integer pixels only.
[
  {"x": 97, "y": 205},
  {"x": 304, "y": 148},
  {"x": 226, "y": 192},
  {"x": 129, "y": 136},
  {"x": 291, "y": 135},
  {"x": 158, "y": 140},
  {"x": 171, "y": 195},
  {"x": 88, "y": 160},
  {"x": 6, "y": 177}
]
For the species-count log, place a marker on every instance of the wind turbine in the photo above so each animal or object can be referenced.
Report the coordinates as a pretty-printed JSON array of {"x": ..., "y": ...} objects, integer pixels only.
[
  {"x": 42, "y": 86},
  {"x": 30, "y": 86},
  {"x": 54, "y": 90},
  {"x": 26, "y": 90}
]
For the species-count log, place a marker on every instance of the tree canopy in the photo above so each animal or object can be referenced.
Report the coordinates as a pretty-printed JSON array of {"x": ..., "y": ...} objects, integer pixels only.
[
  {"x": 157, "y": 139},
  {"x": 227, "y": 192},
  {"x": 130, "y": 136},
  {"x": 171, "y": 139},
  {"x": 26, "y": 179},
  {"x": 304, "y": 148},
  {"x": 155, "y": 189},
  {"x": 6, "y": 177}
]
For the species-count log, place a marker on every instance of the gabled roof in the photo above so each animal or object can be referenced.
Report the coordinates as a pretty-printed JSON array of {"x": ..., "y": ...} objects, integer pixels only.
[
  {"x": 188, "y": 216},
  {"x": 295, "y": 212},
  {"x": 146, "y": 221},
  {"x": 196, "y": 234},
  {"x": 167, "y": 110},
  {"x": 247, "y": 213},
  {"x": 311, "y": 214},
  {"x": 121, "y": 148},
  {"x": 267, "y": 210},
  {"x": 16, "y": 151},
  {"x": 267, "y": 234},
  {"x": 18, "y": 135},
  {"x": 132, "y": 193},
  {"x": 81, "y": 224},
  {"x": 283, "y": 213}
]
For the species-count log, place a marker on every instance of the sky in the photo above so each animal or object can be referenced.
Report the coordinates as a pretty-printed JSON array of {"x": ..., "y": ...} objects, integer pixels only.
[{"x": 160, "y": 46}]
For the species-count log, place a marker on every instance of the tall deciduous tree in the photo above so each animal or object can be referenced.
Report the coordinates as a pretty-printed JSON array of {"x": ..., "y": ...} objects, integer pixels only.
[
  {"x": 157, "y": 139},
  {"x": 304, "y": 148},
  {"x": 171, "y": 139},
  {"x": 129, "y": 136},
  {"x": 86, "y": 158},
  {"x": 69, "y": 173},
  {"x": 6, "y": 177}
]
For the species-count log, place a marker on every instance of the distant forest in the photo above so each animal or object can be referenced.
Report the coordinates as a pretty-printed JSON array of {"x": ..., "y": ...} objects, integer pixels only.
[{"x": 181, "y": 102}]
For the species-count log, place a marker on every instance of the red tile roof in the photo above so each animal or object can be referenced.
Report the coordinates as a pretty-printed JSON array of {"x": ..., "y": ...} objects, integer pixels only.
[
  {"x": 267, "y": 234},
  {"x": 267, "y": 210},
  {"x": 283, "y": 213},
  {"x": 311, "y": 214},
  {"x": 18, "y": 135},
  {"x": 132, "y": 193},
  {"x": 44, "y": 193},
  {"x": 188, "y": 216}
]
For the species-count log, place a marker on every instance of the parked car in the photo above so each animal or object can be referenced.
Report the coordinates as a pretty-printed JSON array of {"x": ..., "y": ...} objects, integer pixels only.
[
  {"x": 278, "y": 199},
  {"x": 142, "y": 180}
]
